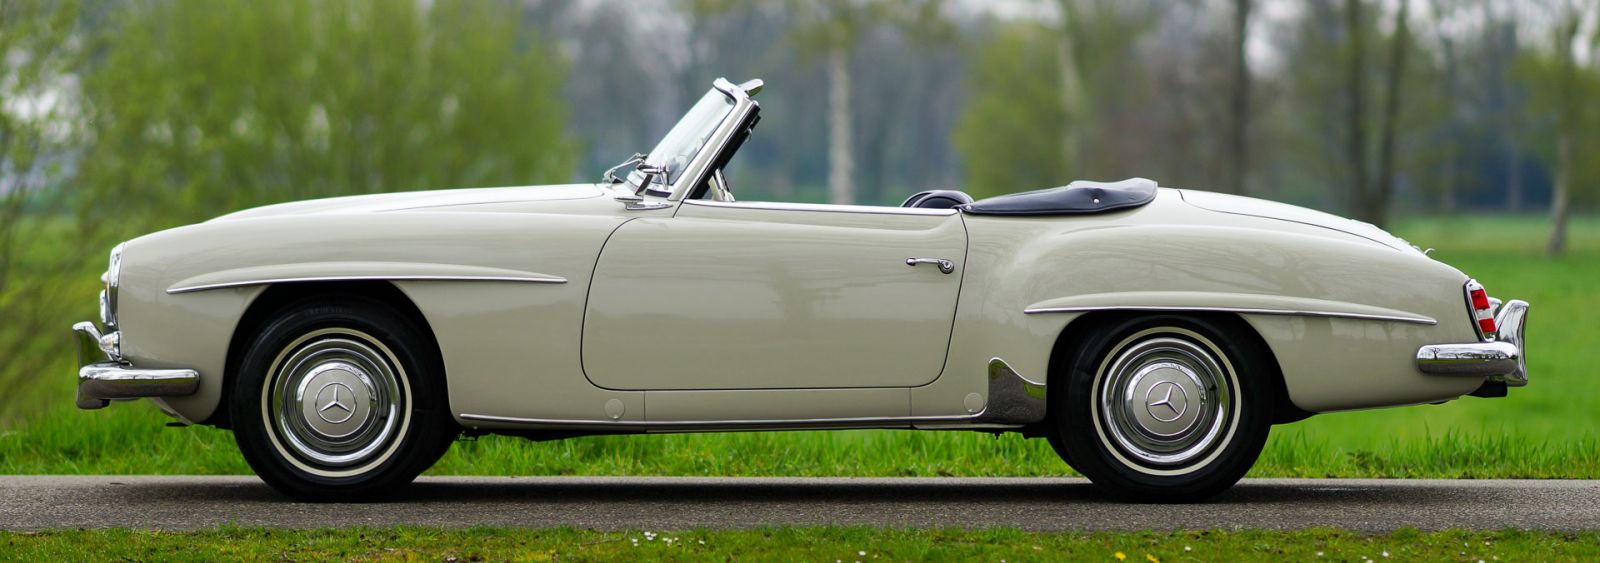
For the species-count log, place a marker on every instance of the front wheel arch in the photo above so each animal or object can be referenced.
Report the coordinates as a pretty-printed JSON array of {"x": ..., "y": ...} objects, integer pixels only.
[{"x": 279, "y": 297}]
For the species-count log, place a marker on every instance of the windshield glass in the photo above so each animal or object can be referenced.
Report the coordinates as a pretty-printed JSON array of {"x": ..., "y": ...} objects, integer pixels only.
[{"x": 687, "y": 137}]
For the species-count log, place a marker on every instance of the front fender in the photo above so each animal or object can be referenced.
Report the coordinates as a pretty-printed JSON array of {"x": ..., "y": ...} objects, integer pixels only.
[{"x": 185, "y": 290}]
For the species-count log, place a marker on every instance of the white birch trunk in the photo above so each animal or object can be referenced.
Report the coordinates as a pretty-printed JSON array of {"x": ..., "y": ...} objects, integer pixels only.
[
  {"x": 841, "y": 152},
  {"x": 1071, "y": 92}
]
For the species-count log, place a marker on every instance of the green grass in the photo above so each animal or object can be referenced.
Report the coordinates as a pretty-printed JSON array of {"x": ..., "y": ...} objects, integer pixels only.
[
  {"x": 1545, "y": 430},
  {"x": 820, "y": 544}
]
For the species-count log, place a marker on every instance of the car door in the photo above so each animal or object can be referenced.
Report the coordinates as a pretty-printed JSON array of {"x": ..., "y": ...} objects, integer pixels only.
[{"x": 761, "y": 296}]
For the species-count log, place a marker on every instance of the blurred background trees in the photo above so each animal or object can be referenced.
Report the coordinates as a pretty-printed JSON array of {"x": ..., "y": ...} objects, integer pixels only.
[
  {"x": 120, "y": 117},
  {"x": 198, "y": 107},
  {"x": 1362, "y": 107}
]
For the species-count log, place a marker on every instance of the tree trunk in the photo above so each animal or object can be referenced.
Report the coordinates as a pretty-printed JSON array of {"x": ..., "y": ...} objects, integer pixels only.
[
  {"x": 1558, "y": 200},
  {"x": 1447, "y": 93},
  {"x": 841, "y": 189},
  {"x": 1072, "y": 101},
  {"x": 1239, "y": 125},
  {"x": 1447, "y": 200},
  {"x": 1356, "y": 128},
  {"x": 1391, "y": 112},
  {"x": 1513, "y": 164},
  {"x": 1566, "y": 118},
  {"x": 1510, "y": 151}
]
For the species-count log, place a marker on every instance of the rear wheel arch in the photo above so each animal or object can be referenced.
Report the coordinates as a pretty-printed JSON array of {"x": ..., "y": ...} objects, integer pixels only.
[
  {"x": 1067, "y": 344},
  {"x": 278, "y": 298}
]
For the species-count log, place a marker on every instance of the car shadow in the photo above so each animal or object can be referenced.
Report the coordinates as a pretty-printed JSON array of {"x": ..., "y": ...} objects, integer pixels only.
[{"x": 570, "y": 490}]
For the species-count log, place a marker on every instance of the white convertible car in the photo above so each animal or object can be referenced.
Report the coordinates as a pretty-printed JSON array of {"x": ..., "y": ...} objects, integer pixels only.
[{"x": 1153, "y": 335}]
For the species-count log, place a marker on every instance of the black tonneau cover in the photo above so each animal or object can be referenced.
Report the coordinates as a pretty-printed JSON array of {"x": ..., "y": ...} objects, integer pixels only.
[{"x": 1078, "y": 198}]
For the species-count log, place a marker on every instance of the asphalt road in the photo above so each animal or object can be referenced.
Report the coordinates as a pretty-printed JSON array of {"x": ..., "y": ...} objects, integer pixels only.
[{"x": 30, "y": 503}]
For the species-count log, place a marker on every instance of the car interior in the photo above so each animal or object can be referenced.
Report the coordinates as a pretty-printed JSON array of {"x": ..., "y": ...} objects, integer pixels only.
[{"x": 937, "y": 199}]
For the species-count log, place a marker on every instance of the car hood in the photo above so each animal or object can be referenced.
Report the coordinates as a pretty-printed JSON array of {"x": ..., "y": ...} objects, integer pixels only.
[
  {"x": 421, "y": 200},
  {"x": 1240, "y": 205}
]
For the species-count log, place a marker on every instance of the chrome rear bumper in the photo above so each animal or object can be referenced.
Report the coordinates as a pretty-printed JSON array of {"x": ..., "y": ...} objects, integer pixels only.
[
  {"x": 103, "y": 376},
  {"x": 1501, "y": 358}
]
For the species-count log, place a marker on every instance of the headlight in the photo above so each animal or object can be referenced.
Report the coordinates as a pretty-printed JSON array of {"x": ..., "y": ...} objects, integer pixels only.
[{"x": 108, "y": 297}]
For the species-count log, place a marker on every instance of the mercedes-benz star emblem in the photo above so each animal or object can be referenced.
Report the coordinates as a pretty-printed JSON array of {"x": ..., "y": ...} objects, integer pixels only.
[
  {"x": 1159, "y": 401},
  {"x": 334, "y": 403}
]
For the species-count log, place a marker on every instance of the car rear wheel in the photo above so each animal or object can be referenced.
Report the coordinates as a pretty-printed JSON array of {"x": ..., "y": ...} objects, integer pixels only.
[
  {"x": 1169, "y": 408},
  {"x": 340, "y": 399}
]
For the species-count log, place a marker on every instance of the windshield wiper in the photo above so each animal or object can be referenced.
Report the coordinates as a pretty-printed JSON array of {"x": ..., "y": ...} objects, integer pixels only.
[{"x": 611, "y": 177}]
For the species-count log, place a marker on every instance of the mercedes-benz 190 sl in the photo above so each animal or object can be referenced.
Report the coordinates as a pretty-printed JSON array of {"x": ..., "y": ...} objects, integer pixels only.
[{"x": 1152, "y": 335}]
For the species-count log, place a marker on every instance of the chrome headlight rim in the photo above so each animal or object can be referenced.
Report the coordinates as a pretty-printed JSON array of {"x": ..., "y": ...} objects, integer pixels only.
[{"x": 112, "y": 279}]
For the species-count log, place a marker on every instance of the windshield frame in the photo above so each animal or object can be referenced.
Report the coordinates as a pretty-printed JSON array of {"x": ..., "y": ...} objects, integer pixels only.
[
  {"x": 698, "y": 168},
  {"x": 686, "y": 140}
]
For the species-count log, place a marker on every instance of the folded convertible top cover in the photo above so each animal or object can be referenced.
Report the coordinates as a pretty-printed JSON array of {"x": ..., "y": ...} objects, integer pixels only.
[{"x": 1078, "y": 198}]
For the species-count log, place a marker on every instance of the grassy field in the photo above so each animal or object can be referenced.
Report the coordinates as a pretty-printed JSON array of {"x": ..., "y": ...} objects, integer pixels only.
[
  {"x": 1550, "y": 429},
  {"x": 820, "y": 544}
]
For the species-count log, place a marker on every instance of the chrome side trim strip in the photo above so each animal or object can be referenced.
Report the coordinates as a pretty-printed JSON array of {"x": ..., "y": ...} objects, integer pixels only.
[
  {"x": 644, "y": 425},
  {"x": 243, "y": 283},
  {"x": 782, "y": 206},
  {"x": 1240, "y": 310}
]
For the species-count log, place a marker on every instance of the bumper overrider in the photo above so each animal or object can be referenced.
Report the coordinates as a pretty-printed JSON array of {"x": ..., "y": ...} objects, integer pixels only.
[
  {"x": 1499, "y": 358},
  {"x": 103, "y": 375}
]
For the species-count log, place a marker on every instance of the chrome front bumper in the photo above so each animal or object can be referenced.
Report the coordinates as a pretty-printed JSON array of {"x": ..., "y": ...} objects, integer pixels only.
[
  {"x": 1502, "y": 358},
  {"x": 104, "y": 376}
]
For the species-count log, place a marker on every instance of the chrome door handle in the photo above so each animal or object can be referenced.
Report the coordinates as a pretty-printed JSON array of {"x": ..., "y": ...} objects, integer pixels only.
[{"x": 945, "y": 266}]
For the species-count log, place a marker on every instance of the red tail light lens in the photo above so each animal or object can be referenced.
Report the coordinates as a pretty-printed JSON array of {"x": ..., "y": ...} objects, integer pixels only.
[
  {"x": 1482, "y": 309},
  {"x": 1480, "y": 299}
]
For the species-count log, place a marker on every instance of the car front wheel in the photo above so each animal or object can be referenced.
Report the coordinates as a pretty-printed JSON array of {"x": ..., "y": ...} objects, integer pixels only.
[
  {"x": 1169, "y": 408},
  {"x": 340, "y": 399}
]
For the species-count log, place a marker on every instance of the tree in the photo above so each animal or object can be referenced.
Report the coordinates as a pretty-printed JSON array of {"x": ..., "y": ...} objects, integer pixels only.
[
  {"x": 1011, "y": 133},
  {"x": 1036, "y": 91},
  {"x": 1570, "y": 110},
  {"x": 1069, "y": 71},
  {"x": 1239, "y": 114},
  {"x": 1394, "y": 84},
  {"x": 831, "y": 29},
  {"x": 200, "y": 106},
  {"x": 1449, "y": 97},
  {"x": 1503, "y": 35},
  {"x": 1368, "y": 176},
  {"x": 1355, "y": 109},
  {"x": 39, "y": 250}
]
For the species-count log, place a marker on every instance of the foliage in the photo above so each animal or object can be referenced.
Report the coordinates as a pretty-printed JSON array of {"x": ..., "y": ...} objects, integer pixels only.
[
  {"x": 1048, "y": 104},
  {"x": 1335, "y": 118},
  {"x": 199, "y": 107},
  {"x": 1009, "y": 133},
  {"x": 123, "y": 118},
  {"x": 36, "y": 254},
  {"x": 797, "y": 543}
]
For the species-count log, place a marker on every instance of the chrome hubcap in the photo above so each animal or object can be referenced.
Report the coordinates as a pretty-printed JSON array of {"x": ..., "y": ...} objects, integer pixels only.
[
  {"x": 335, "y": 399},
  {"x": 1165, "y": 401}
]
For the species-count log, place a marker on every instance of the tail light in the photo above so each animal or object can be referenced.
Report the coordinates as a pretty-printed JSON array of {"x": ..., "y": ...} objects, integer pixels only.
[{"x": 1482, "y": 309}]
